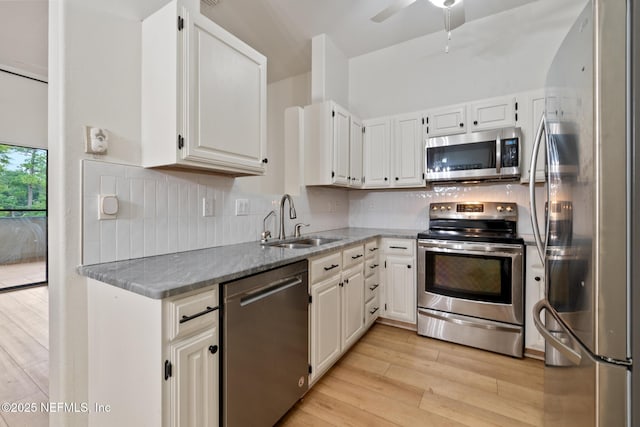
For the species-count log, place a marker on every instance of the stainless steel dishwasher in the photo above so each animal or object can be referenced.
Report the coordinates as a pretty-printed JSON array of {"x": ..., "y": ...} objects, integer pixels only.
[{"x": 265, "y": 345}]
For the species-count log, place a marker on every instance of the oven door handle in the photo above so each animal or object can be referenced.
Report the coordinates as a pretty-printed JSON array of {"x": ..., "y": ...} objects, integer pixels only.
[
  {"x": 540, "y": 244},
  {"x": 473, "y": 252}
]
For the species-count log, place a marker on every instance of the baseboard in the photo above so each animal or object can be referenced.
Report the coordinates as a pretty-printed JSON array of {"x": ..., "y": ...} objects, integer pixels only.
[{"x": 397, "y": 323}]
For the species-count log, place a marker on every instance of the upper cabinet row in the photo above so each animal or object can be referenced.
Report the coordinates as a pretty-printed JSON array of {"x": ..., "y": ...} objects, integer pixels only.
[
  {"x": 388, "y": 152},
  {"x": 203, "y": 95}
]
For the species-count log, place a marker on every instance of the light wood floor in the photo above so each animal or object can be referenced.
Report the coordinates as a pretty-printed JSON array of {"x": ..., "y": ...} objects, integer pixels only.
[
  {"x": 392, "y": 377},
  {"x": 24, "y": 354}
]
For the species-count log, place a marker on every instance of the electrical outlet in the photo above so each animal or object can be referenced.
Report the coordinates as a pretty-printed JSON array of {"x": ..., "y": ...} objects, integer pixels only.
[
  {"x": 208, "y": 206},
  {"x": 242, "y": 207}
]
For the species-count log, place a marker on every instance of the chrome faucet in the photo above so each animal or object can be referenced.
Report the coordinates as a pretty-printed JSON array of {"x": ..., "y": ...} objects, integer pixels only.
[
  {"x": 292, "y": 214},
  {"x": 266, "y": 233}
]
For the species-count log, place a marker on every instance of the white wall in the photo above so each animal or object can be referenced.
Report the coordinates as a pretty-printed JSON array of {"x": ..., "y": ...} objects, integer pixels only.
[
  {"x": 501, "y": 54},
  {"x": 330, "y": 72},
  {"x": 23, "y": 111}
]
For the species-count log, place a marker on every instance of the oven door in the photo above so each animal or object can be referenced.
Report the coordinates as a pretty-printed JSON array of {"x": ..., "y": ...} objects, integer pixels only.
[{"x": 480, "y": 280}]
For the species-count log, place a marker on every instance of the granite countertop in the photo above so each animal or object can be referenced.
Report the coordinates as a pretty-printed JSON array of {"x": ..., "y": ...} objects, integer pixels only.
[{"x": 163, "y": 276}]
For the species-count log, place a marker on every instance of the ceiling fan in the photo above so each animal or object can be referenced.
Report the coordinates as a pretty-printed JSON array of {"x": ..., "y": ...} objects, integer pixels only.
[{"x": 453, "y": 11}]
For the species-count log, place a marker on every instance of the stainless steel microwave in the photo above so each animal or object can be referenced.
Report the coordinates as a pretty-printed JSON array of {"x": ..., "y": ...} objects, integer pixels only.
[{"x": 489, "y": 155}]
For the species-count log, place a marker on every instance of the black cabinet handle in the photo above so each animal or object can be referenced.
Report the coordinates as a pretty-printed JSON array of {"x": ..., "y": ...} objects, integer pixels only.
[
  {"x": 398, "y": 247},
  {"x": 397, "y": 179},
  {"x": 213, "y": 349},
  {"x": 537, "y": 278},
  {"x": 409, "y": 266},
  {"x": 186, "y": 318},
  {"x": 373, "y": 288},
  {"x": 461, "y": 125},
  {"x": 374, "y": 310},
  {"x": 385, "y": 178},
  {"x": 346, "y": 281},
  {"x": 373, "y": 249},
  {"x": 265, "y": 160},
  {"x": 357, "y": 256},
  {"x": 341, "y": 284},
  {"x": 475, "y": 122},
  {"x": 332, "y": 267},
  {"x": 373, "y": 265},
  {"x": 349, "y": 178}
]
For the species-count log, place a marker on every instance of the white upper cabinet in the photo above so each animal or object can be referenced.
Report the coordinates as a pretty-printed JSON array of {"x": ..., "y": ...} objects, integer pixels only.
[
  {"x": 532, "y": 110},
  {"x": 328, "y": 148},
  {"x": 355, "y": 152},
  {"x": 408, "y": 143},
  {"x": 449, "y": 120},
  {"x": 493, "y": 113},
  {"x": 203, "y": 95},
  {"x": 377, "y": 153}
]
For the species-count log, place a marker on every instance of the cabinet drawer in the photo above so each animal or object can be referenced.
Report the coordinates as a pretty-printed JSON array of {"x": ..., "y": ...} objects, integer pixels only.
[
  {"x": 371, "y": 267},
  {"x": 352, "y": 256},
  {"x": 399, "y": 246},
  {"x": 326, "y": 266},
  {"x": 190, "y": 314},
  {"x": 371, "y": 249},
  {"x": 372, "y": 310},
  {"x": 371, "y": 287}
]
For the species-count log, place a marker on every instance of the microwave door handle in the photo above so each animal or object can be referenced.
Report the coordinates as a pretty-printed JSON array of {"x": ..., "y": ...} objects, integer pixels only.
[
  {"x": 566, "y": 351},
  {"x": 532, "y": 191},
  {"x": 498, "y": 154}
]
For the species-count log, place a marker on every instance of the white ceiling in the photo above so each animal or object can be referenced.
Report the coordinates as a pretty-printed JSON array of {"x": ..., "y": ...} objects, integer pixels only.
[{"x": 280, "y": 29}]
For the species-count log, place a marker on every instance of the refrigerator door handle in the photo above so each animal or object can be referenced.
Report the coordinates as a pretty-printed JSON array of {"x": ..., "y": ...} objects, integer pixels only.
[
  {"x": 568, "y": 352},
  {"x": 540, "y": 244}
]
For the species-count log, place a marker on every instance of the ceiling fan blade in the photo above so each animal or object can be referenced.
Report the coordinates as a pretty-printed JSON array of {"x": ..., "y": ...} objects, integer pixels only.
[
  {"x": 455, "y": 16},
  {"x": 396, "y": 6}
]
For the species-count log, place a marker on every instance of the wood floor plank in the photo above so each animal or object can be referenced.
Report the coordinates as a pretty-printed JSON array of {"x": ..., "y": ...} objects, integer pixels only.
[
  {"x": 377, "y": 404},
  {"x": 364, "y": 362},
  {"x": 15, "y": 384},
  {"x": 492, "y": 401},
  {"x": 522, "y": 392},
  {"x": 3, "y": 423},
  {"x": 39, "y": 373},
  {"x": 388, "y": 387},
  {"x": 415, "y": 349},
  {"x": 24, "y": 349},
  {"x": 29, "y": 419},
  {"x": 465, "y": 376}
]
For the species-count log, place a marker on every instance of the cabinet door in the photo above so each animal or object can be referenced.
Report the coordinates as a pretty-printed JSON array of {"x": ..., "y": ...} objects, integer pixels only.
[
  {"x": 377, "y": 143},
  {"x": 340, "y": 136},
  {"x": 352, "y": 306},
  {"x": 493, "y": 113},
  {"x": 355, "y": 152},
  {"x": 225, "y": 99},
  {"x": 533, "y": 114},
  {"x": 194, "y": 400},
  {"x": 325, "y": 325},
  {"x": 534, "y": 292},
  {"x": 401, "y": 288},
  {"x": 408, "y": 149},
  {"x": 450, "y": 120}
]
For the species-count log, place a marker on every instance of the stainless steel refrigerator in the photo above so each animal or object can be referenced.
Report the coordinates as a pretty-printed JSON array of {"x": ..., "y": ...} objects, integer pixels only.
[{"x": 588, "y": 236}]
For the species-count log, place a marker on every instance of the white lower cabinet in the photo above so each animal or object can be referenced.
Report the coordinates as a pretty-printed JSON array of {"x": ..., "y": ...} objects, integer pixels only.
[
  {"x": 338, "y": 302},
  {"x": 195, "y": 388},
  {"x": 534, "y": 292},
  {"x": 154, "y": 362},
  {"x": 400, "y": 280}
]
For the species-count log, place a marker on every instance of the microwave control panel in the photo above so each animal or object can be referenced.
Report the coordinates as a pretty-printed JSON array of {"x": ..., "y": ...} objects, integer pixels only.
[{"x": 510, "y": 153}]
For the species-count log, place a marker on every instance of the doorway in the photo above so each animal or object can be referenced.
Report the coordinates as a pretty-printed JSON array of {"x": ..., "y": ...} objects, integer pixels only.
[{"x": 23, "y": 217}]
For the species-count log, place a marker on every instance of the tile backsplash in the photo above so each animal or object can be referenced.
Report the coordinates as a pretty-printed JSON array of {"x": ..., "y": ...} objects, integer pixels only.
[
  {"x": 410, "y": 208},
  {"x": 160, "y": 212}
]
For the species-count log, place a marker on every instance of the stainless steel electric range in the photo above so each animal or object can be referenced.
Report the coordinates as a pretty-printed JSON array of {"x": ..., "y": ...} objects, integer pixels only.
[{"x": 471, "y": 275}]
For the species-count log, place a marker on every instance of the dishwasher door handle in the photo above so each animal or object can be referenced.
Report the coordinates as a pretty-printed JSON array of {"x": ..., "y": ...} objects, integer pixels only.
[{"x": 266, "y": 291}]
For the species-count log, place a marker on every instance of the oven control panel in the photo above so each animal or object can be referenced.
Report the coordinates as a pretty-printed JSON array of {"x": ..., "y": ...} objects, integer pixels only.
[{"x": 474, "y": 210}]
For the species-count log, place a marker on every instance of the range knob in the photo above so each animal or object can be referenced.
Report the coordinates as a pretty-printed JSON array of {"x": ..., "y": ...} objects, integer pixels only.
[
  {"x": 500, "y": 208},
  {"x": 442, "y": 208},
  {"x": 448, "y": 208},
  {"x": 435, "y": 208},
  {"x": 509, "y": 209}
]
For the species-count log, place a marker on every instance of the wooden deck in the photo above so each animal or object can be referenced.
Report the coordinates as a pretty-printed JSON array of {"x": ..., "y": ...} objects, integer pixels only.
[{"x": 22, "y": 274}]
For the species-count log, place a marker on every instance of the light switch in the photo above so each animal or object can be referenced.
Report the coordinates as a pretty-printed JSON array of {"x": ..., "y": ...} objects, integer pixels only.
[
  {"x": 242, "y": 207},
  {"x": 108, "y": 208}
]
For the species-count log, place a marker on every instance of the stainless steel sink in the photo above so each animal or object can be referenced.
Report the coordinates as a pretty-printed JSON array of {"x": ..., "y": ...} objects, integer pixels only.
[{"x": 303, "y": 243}]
